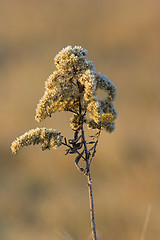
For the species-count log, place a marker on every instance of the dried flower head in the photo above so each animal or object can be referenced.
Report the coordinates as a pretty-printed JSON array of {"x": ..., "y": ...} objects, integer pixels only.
[
  {"x": 48, "y": 138},
  {"x": 72, "y": 87},
  {"x": 76, "y": 80}
]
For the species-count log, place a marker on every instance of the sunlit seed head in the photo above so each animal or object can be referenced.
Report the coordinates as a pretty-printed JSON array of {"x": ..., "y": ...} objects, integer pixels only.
[
  {"x": 46, "y": 137},
  {"x": 75, "y": 79},
  {"x": 74, "y": 83}
]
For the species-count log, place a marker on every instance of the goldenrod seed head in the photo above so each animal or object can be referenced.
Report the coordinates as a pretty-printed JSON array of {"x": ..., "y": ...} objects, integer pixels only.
[
  {"x": 48, "y": 138},
  {"x": 75, "y": 79}
]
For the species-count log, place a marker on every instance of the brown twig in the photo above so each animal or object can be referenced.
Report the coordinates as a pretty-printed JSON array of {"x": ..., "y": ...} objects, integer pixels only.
[{"x": 79, "y": 143}]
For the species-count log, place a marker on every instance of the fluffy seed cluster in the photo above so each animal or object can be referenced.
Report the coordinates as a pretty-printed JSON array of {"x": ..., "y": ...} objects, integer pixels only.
[
  {"x": 48, "y": 138},
  {"x": 76, "y": 80}
]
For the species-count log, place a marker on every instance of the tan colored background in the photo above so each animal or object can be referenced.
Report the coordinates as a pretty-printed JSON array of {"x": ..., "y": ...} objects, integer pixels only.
[{"x": 42, "y": 195}]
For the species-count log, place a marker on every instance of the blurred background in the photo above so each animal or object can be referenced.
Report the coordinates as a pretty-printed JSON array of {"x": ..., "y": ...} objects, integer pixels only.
[{"x": 42, "y": 194}]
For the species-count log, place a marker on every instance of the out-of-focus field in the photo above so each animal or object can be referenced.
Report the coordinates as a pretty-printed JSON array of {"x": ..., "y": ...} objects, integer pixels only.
[{"x": 42, "y": 195}]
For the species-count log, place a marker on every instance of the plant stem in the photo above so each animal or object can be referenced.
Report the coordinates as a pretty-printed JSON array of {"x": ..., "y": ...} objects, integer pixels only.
[
  {"x": 92, "y": 217},
  {"x": 88, "y": 174}
]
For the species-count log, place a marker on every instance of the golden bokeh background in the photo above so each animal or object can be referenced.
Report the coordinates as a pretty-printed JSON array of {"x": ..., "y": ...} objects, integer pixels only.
[{"x": 42, "y": 194}]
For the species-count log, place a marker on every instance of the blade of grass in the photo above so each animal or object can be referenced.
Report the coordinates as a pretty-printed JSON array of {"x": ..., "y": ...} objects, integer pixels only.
[{"x": 145, "y": 226}]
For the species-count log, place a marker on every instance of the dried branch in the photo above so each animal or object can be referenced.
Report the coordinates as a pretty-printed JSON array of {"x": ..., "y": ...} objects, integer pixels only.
[{"x": 73, "y": 87}]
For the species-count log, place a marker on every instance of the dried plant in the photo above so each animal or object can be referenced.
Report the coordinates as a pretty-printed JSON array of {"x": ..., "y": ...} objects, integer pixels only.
[{"x": 73, "y": 87}]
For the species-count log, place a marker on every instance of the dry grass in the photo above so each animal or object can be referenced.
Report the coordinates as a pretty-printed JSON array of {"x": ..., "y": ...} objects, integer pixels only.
[{"x": 41, "y": 192}]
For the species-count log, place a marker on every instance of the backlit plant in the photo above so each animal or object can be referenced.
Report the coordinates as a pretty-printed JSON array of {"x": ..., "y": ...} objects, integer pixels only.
[{"x": 73, "y": 87}]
